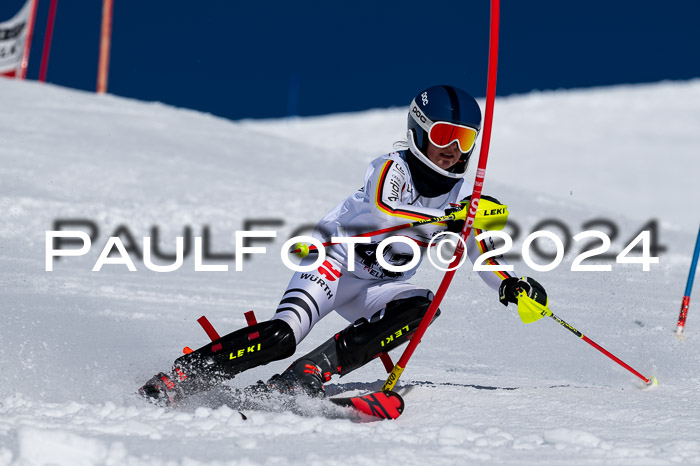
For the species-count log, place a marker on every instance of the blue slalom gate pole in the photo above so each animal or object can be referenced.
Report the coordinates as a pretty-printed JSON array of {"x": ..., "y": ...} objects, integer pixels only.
[{"x": 688, "y": 288}]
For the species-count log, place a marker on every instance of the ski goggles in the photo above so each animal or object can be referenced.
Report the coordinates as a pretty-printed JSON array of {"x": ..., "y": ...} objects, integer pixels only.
[{"x": 442, "y": 134}]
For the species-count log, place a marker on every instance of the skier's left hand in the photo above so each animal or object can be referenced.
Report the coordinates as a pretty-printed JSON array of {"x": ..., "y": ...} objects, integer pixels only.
[
  {"x": 460, "y": 212},
  {"x": 511, "y": 287}
]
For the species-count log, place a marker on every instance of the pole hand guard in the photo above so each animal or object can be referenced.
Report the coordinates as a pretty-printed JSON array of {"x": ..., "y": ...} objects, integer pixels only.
[
  {"x": 490, "y": 214},
  {"x": 530, "y": 310}
]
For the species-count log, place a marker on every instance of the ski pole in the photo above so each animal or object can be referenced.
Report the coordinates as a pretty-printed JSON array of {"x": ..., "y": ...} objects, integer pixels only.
[
  {"x": 685, "y": 304},
  {"x": 476, "y": 195},
  {"x": 307, "y": 249},
  {"x": 530, "y": 311},
  {"x": 490, "y": 215}
]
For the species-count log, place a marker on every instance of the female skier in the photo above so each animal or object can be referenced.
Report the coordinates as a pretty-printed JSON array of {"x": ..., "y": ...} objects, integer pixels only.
[{"x": 423, "y": 181}]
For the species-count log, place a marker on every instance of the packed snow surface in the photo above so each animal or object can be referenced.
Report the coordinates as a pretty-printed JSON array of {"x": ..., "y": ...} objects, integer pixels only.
[{"x": 482, "y": 388}]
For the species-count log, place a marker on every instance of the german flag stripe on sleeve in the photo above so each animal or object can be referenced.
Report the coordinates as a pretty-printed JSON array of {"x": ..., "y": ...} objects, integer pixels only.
[
  {"x": 386, "y": 208},
  {"x": 490, "y": 261}
]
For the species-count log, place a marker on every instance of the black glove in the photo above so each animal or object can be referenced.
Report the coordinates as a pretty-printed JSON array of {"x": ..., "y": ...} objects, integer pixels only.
[
  {"x": 511, "y": 287},
  {"x": 455, "y": 226},
  {"x": 460, "y": 211}
]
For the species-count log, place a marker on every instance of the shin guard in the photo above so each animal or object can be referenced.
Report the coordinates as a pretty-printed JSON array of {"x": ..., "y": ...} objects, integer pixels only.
[
  {"x": 221, "y": 359},
  {"x": 355, "y": 346},
  {"x": 366, "y": 339}
]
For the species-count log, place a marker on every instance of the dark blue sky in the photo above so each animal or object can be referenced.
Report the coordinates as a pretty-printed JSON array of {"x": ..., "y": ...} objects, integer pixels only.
[{"x": 245, "y": 59}]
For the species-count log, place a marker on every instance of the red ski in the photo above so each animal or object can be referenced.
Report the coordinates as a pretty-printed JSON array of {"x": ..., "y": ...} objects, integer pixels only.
[{"x": 381, "y": 405}]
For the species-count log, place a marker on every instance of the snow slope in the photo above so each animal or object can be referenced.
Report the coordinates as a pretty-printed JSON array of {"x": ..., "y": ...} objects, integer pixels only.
[{"x": 75, "y": 344}]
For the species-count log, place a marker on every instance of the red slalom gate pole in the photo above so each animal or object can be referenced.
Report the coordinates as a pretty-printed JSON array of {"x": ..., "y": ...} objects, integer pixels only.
[
  {"x": 24, "y": 64},
  {"x": 476, "y": 195},
  {"x": 47, "y": 41},
  {"x": 105, "y": 44}
]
